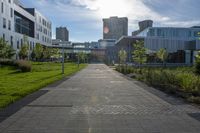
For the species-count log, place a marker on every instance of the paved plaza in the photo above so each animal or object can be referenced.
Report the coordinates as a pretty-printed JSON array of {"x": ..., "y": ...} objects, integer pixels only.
[{"x": 100, "y": 100}]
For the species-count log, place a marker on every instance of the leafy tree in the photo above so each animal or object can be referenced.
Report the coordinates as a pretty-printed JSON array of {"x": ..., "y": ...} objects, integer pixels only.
[
  {"x": 23, "y": 53},
  {"x": 197, "y": 63},
  {"x": 122, "y": 56},
  {"x": 162, "y": 54},
  {"x": 10, "y": 51},
  {"x": 47, "y": 52},
  {"x": 82, "y": 56},
  {"x": 38, "y": 51},
  {"x": 6, "y": 51},
  {"x": 139, "y": 53},
  {"x": 55, "y": 52}
]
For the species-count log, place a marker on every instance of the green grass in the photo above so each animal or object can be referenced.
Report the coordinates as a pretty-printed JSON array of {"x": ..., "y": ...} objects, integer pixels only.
[{"x": 14, "y": 85}]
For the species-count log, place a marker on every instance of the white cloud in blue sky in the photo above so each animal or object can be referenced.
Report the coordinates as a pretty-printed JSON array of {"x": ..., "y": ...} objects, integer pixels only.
[{"x": 83, "y": 18}]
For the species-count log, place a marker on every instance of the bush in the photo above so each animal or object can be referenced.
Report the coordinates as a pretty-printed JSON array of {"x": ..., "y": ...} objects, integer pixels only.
[
  {"x": 24, "y": 66},
  {"x": 8, "y": 62},
  {"x": 197, "y": 66},
  {"x": 182, "y": 81}
]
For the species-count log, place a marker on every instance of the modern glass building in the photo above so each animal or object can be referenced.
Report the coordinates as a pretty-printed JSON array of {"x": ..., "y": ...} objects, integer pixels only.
[
  {"x": 181, "y": 43},
  {"x": 17, "y": 21}
]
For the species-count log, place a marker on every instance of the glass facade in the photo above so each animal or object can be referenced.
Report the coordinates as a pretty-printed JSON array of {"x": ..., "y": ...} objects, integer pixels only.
[
  {"x": 24, "y": 25},
  {"x": 181, "y": 33}
]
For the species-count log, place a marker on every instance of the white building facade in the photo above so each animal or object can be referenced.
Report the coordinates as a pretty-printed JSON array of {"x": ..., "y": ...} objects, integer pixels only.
[{"x": 17, "y": 21}]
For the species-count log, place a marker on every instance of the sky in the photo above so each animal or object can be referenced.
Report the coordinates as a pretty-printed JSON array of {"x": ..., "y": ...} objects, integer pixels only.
[{"x": 83, "y": 18}]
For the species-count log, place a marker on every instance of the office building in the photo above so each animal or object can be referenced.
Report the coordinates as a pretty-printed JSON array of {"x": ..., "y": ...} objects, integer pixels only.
[
  {"x": 16, "y": 21},
  {"x": 114, "y": 27},
  {"x": 142, "y": 26},
  {"x": 62, "y": 33}
]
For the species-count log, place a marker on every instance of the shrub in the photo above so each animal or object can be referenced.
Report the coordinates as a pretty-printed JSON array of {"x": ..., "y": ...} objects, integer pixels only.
[
  {"x": 8, "y": 62},
  {"x": 197, "y": 66},
  {"x": 194, "y": 99},
  {"x": 24, "y": 66},
  {"x": 188, "y": 82},
  {"x": 180, "y": 80}
]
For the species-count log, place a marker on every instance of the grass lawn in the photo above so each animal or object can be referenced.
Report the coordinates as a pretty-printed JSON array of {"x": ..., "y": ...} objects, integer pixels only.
[{"x": 15, "y": 85}]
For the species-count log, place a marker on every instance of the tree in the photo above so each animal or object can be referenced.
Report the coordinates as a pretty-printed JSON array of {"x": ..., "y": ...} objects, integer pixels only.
[
  {"x": 162, "y": 54},
  {"x": 122, "y": 56},
  {"x": 197, "y": 63},
  {"x": 23, "y": 53},
  {"x": 10, "y": 52},
  {"x": 47, "y": 52},
  {"x": 26, "y": 42},
  {"x": 55, "y": 53},
  {"x": 139, "y": 53},
  {"x": 6, "y": 51},
  {"x": 38, "y": 51},
  {"x": 82, "y": 56}
]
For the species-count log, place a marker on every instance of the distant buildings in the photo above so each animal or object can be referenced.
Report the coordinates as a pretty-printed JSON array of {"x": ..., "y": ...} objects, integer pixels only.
[
  {"x": 114, "y": 27},
  {"x": 142, "y": 26},
  {"x": 17, "y": 21},
  {"x": 182, "y": 44},
  {"x": 62, "y": 33},
  {"x": 104, "y": 43}
]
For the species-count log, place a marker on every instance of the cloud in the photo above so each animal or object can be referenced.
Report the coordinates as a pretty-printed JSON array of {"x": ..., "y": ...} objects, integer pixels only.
[
  {"x": 182, "y": 23},
  {"x": 135, "y": 10},
  {"x": 86, "y": 15}
]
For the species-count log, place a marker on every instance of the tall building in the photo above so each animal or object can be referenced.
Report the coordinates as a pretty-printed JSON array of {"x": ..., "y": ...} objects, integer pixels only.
[
  {"x": 17, "y": 21},
  {"x": 142, "y": 26},
  {"x": 62, "y": 33},
  {"x": 114, "y": 27},
  {"x": 145, "y": 24}
]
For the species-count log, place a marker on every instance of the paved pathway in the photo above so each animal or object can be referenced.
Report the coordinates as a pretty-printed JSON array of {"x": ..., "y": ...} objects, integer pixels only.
[{"x": 100, "y": 100}]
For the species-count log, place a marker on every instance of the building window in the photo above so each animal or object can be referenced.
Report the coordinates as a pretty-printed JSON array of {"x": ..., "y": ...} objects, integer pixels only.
[
  {"x": 31, "y": 46},
  {"x": 2, "y": 7},
  {"x": 11, "y": 41},
  {"x": 4, "y": 23},
  {"x": 152, "y": 32},
  {"x": 11, "y": 12},
  {"x": 38, "y": 36},
  {"x": 21, "y": 42},
  {"x": 23, "y": 25},
  {"x": 17, "y": 44},
  {"x": 9, "y": 24},
  {"x": 4, "y": 38}
]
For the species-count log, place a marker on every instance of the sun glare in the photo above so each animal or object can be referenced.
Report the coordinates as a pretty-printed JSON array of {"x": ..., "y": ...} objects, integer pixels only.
[{"x": 107, "y": 8}]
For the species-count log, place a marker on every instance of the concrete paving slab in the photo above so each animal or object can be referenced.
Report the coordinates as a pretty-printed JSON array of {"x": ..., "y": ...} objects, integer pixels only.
[{"x": 100, "y": 100}]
